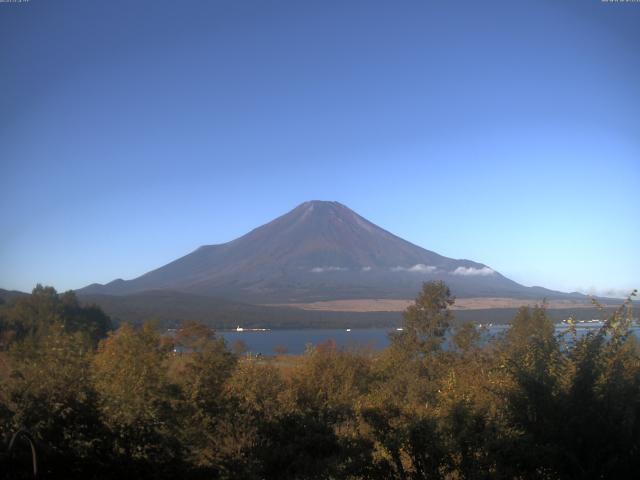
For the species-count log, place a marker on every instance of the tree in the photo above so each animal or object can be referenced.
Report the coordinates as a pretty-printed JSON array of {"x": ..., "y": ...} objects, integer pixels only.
[
  {"x": 51, "y": 395},
  {"x": 427, "y": 319},
  {"x": 194, "y": 336},
  {"x": 255, "y": 399},
  {"x": 202, "y": 380},
  {"x": 31, "y": 317},
  {"x": 136, "y": 398},
  {"x": 466, "y": 337}
]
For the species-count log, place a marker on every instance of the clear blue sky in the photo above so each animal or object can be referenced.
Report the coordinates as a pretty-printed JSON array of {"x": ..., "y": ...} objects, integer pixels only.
[{"x": 507, "y": 132}]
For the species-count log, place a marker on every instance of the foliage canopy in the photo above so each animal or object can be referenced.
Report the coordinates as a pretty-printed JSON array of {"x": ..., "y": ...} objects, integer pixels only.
[{"x": 531, "y": 404}]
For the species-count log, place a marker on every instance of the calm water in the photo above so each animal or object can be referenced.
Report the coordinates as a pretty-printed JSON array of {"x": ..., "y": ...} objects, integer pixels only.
[{"x": 295, "y": 341}]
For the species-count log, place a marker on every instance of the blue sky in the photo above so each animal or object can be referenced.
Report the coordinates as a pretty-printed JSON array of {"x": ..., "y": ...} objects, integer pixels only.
[{"x": 132, "y": 132}]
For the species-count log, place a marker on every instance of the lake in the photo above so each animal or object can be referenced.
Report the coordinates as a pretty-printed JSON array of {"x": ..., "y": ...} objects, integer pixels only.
[{"x": 295, "y": 341}]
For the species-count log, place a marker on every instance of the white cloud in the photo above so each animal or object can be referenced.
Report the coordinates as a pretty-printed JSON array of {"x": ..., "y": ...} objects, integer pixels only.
[
  {"x": 327, "y": 269},
  {"x": 606, "y": 292},
  {"x": 366, "y": 269},
  {"x": 422, "y": 268},
  {"x": 470, "y": 271},
  {"x": 418, "y": 268}
]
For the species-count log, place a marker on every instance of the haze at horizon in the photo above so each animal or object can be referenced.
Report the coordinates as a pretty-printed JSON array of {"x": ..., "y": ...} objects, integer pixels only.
[{"x": 134, "y": 132}]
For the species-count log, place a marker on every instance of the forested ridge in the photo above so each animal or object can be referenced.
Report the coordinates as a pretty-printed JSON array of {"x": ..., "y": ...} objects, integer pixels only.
[{"x": 103, "y": 403}]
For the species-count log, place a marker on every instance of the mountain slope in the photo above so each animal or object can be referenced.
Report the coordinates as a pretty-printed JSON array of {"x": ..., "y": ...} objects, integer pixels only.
[{"x": 318, "y": 251}]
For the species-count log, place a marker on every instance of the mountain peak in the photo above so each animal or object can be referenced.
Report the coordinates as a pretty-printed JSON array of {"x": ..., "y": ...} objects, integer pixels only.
[
  {"x": 322, "y": 207},
  {"x": 320, "y": 203}
]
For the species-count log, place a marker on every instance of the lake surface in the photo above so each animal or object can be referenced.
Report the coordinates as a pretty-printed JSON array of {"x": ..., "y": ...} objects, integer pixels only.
[{"x": 295, "y": 341}]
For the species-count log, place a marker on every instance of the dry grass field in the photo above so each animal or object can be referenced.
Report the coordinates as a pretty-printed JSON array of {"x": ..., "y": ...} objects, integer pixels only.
[{"x": 398, "y": 305}]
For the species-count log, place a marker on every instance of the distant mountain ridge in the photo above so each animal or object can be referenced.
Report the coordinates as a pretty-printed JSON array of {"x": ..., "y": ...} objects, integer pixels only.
[{"x": 319, "y": 251}]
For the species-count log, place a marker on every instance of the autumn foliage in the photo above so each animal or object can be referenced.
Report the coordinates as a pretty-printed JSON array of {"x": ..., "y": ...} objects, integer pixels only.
[{"x": 136, "y": 403}]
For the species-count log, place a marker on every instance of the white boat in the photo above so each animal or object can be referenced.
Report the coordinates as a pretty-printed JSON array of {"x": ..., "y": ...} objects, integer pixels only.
[
  {"x": 348, "y": 329},
  {"x": 239, "y": 329}
]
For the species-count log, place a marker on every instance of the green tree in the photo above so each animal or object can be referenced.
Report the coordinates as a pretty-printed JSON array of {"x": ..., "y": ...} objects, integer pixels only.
[
  {"x": 466, "y": 337},
  {"x": 573, "y": 408},
  {"x": 427, "y": 319},
  {"x": 329, "y": 382},
  {"x": 31, "y": 317},
  {"x": 50, "y": 393},
  {"x": 202, "y": 377},
  {"x": 137, "y": 400},
  {"x": 256, "y": 397},
  {"x": 327, "y": 388},
  {"x": 297, "y": 446}
]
